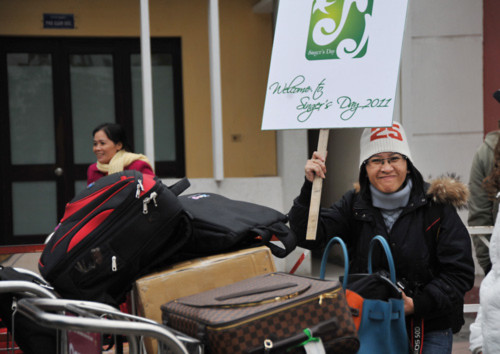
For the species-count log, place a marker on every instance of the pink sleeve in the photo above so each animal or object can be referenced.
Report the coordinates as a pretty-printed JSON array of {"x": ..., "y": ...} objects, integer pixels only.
[
  {"x": 93, "y": 174},
  {"x": 141, "y": 166}
]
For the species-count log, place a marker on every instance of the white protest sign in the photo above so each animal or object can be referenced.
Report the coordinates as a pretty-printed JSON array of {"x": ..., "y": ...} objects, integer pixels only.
[{"x": 334, "y": 64}]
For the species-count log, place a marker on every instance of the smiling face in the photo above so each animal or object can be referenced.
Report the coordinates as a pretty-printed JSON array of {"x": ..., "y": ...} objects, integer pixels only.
[
  {"x": 387, "y": 177},
  {"x": 104, "y": 148}
]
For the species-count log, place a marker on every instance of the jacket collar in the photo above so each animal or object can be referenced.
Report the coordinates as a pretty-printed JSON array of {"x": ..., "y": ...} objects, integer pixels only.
[{"x": 447, "y": 190}]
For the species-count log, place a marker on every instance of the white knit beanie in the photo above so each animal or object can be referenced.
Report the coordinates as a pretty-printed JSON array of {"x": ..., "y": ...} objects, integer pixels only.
[{"x": 377, "y": 140}]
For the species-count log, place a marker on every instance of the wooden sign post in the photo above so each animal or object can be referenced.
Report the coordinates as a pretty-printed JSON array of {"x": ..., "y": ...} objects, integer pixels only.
[
  {"x": 312, "y": 223},
  {"x": 334, "y": 64}
]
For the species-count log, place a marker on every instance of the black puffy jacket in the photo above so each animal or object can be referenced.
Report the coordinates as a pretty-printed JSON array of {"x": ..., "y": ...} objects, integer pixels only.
[{"x": 430, "y": 244}]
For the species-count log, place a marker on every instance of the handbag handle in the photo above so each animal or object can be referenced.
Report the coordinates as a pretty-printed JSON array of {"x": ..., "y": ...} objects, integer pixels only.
[
  {"x": 324, "y": 260},
  {"x": 380, "y": 239},
  {"x": 388, "y": 253}
]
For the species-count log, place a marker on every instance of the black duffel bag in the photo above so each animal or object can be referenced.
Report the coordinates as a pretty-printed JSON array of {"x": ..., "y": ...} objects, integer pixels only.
[{"x": 220, "y": 224}]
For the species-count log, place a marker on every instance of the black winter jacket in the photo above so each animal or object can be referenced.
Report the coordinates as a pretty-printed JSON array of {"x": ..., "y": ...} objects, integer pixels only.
[{"x": 430, "y": 244}]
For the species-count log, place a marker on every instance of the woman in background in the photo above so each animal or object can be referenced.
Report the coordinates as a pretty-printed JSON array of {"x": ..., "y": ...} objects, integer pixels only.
[
  {"x": 114, "y": 154},
  {"x": 485, "y": 332}
]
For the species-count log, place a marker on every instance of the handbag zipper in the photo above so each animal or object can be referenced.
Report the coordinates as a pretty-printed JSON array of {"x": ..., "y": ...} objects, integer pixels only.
[
  {"x": 329, "y": 295},
  {"x": 139, "y": 189},
  {"x": 147, "y": 200}
]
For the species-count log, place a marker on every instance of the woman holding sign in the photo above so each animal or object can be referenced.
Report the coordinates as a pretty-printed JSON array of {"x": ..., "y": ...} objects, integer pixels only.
[{"x": 430, "y": 244}]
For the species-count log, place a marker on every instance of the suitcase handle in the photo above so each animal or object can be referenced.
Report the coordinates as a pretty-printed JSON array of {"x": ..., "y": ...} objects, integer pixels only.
[
  {"x": 256, "y": 291},
  {"x": 233, "y": 302}
]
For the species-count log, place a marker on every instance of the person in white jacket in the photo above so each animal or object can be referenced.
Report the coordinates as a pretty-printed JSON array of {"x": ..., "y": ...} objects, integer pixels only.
[{"x": 485, "y": 331}]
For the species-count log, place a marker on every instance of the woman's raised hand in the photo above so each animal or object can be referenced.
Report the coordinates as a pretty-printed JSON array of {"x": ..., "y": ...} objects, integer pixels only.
[{"x": 315, "y": 166}]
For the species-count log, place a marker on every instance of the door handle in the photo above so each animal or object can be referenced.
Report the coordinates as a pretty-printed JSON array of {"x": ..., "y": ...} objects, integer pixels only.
[{"x": 58, "y": 171}]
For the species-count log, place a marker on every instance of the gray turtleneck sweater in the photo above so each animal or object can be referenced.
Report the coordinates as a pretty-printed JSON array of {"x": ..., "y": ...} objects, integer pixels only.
[{"x": 391, "y": 204}]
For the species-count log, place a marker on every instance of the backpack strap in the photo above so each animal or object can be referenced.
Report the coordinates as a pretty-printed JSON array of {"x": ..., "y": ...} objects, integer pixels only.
[
  {"x": 180, "y": 186},
  {"x": 282, "y": 233}
]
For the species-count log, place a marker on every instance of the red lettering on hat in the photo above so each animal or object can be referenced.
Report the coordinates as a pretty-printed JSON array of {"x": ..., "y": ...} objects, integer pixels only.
[{"x": 382, "y": 133}]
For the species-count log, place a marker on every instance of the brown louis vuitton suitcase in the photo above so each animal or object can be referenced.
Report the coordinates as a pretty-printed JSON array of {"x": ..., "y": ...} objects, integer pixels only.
[{"x": 275, "y": 312}]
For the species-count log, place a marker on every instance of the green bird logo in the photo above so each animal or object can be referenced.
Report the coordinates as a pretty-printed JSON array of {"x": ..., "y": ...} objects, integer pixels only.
[{"x": 339, "y": 29}]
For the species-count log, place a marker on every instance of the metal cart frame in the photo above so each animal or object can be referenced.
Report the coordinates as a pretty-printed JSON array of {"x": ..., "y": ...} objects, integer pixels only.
[{"x": 43, "y": 307}]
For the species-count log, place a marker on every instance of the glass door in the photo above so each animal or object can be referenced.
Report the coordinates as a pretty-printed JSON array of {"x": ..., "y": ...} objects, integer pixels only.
[
  {"x": 53, "y": 100},
  {"x": 32, "y": 149},
  {"x": 53, "y": 93},
  {"x": 32, "y": 140},
  {"x": 93, "y": 103}
]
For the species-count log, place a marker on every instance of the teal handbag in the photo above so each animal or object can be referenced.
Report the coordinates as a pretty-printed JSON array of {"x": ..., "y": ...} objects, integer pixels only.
[{"x": 382, "y": 329}]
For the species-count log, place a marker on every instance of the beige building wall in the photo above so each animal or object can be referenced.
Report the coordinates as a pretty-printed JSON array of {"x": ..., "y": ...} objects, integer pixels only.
[{"x": 246, "y": 42}]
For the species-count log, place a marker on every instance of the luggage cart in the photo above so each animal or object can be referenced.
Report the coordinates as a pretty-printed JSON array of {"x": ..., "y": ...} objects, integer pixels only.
[
  {"x": 67, "y": 316},
  {"x": 25, "y": 288}
]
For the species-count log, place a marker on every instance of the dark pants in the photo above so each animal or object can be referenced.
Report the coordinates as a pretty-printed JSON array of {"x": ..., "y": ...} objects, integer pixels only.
[{"x": 438, "y": 342}]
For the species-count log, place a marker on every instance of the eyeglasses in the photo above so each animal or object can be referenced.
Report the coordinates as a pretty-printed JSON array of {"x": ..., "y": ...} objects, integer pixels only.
[{"x": 378, "y": 162}]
